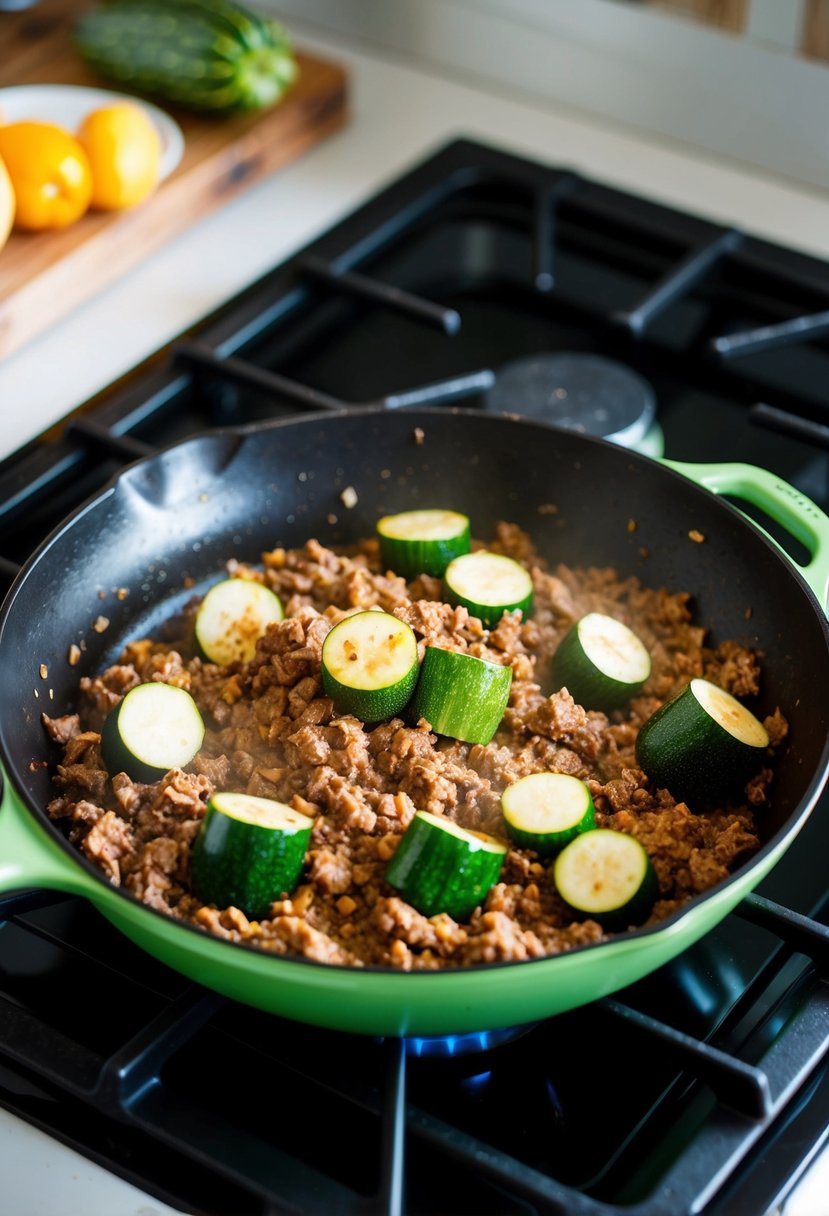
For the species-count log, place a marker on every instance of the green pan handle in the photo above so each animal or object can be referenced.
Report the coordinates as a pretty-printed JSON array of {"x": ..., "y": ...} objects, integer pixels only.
[
  {"x": 29, "y": 857},
  {"x": 801, "y": 517}
]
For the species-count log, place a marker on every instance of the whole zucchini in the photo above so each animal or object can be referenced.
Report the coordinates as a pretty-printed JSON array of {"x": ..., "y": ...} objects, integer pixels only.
[{"x": 211, "y": 55}]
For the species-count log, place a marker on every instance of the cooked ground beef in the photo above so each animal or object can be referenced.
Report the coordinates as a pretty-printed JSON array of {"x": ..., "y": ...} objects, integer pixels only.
[{"x": 272, "y": 732}]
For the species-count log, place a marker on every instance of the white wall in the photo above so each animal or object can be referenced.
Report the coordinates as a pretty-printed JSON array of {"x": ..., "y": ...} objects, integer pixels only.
[{"x": 749, "y": 102}]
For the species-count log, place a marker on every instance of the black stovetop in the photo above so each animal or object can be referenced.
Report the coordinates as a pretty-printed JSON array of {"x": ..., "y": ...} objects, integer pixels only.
[{"x": 704, "y": 1087}]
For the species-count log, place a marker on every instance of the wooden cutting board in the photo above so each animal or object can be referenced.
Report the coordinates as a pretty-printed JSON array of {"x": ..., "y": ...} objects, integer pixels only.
[{"x": 44, "y": 275}]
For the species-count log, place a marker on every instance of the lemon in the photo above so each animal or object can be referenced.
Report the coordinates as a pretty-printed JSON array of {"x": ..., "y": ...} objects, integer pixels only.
[
  {"x": 124, "y": 150},
  {"x": 6, "y": 204},
  {"x": 49, "y": 173}
]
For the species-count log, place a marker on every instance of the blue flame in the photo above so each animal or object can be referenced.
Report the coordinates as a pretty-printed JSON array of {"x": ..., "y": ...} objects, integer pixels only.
[
  {"x": 448, "y": 1045},
  {"x": 476, "y": 1083}
]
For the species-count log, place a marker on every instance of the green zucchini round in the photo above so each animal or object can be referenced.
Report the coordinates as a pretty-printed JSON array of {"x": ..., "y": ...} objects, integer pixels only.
[
  {"x": 369, "y": 665},
  {"x": 608, "y": 876},
  {"x": 232, "y": 617},
  {"x": 701, "y": 744},
  {"x": 544, "y": 811},
  {"x": 422, "y": 542},
  {"x": 460, "y": 696},
  {"x": 249, "y": 852},
  {"x": 442, "y": 867},
  {"x": 488, "y": 585},
  {"x": 154, "y": 728},
  {"x": 600, "y": 662}
]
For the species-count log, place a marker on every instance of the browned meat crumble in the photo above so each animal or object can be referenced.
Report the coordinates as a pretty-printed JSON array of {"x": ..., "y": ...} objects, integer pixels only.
[{"x": 272, "y": 732}]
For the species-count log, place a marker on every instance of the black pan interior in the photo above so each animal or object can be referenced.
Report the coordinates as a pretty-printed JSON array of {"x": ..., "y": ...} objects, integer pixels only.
[{"x": 171, "y": 522}]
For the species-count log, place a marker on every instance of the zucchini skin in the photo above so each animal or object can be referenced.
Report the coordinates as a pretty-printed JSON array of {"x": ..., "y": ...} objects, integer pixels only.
[
  {"x": 633, "y": 911},
  {"x": 118, "y": 756},
  {"x": 410, "y": 556},
  {"x": 370, "y": 704},
  {"x": 460, "y": 695},
  {"x": 488, "y": 614},
  {"x": 546, "y": 844},
  {"x": 573, "y": 669},
  {"x": 437, "y": 871},
  {"x": 212, "y": 55},
  {"x": 683, "y": 749},
  {"x": 244, "y": 864}
]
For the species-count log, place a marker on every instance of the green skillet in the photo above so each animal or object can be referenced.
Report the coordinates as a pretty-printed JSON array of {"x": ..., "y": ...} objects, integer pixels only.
[{"x": 181, "y": 514}]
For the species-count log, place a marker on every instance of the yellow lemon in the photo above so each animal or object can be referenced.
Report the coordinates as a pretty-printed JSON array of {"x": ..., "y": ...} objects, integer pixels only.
[
  {"x": 124, "y": 150},
  {"x": 6, "y": 204},
  {"x": 49, "y": 172}
]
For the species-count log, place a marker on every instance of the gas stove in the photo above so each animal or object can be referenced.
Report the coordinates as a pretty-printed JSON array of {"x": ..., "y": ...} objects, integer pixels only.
[{"x": 502, "y": 284}]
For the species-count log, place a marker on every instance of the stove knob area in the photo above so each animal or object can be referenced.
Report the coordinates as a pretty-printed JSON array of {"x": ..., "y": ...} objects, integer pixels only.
[{"x": 581, "y": 392}]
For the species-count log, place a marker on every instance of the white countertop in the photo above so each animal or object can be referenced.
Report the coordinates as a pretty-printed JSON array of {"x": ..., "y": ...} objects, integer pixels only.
[{"x": 399, "y": 115}]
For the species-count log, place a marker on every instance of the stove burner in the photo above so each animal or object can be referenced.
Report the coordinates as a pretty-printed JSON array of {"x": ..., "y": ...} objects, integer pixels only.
[
  {"x": 464, "y": 1044},
  {"x": 581, "y": 392}
]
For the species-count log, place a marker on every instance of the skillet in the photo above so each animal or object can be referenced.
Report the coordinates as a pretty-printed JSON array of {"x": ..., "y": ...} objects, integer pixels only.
[{"x": 180, "y": 514}]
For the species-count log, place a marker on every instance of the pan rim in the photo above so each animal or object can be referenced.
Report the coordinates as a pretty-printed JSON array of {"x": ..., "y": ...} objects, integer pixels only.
[{"x": 666, "y": 927}]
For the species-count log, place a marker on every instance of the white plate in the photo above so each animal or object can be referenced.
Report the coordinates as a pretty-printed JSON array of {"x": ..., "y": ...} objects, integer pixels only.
[{"x": 67, "y": 105}]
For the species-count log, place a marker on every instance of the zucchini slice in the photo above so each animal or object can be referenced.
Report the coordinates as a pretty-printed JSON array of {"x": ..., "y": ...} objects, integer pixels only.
[
  {"x": 702, "y": 743},
  {"x": 369, "y": 665},
  {"x": 441, "y": 867},
  {"x": 608, "y": 876},
  {"x": 489, "y": 585},
  {"x": 422, "y": 542},
  {"x": 460, "y": 695},
  {"x": 232, "y": 617},
  {"x": 544, "y": 811},
  {"x": 600, "y": 662},
  {"x": 249, "y": 852},
  {"x": 154, "y": 728}
]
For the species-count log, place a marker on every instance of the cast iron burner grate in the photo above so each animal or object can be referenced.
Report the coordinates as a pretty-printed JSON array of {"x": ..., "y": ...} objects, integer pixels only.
[
  {"x": 178, "y": 1076},
  {"x": 703, "y": 1088}
]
